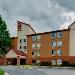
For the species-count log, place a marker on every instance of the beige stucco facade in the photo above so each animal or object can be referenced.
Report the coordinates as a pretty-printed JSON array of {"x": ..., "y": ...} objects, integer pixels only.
[
  {"x": 72, "y": 40},
  {"x": 26, "y": 29},
  {"x": 11, "y": 54}
]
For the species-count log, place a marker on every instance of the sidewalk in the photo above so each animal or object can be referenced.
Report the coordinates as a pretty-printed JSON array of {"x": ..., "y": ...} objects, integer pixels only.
[{"x": 6, "y": 73}]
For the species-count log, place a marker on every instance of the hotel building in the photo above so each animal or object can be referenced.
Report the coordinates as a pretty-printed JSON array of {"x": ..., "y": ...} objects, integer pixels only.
[
  {"x": 55, "y": 46},
  {"x": 30, "y": 47}
]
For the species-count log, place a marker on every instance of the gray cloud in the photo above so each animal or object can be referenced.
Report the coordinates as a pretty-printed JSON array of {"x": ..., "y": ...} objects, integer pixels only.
[
  {"x": 43, "y": 15},
  {"x": 68, "y": 4}
]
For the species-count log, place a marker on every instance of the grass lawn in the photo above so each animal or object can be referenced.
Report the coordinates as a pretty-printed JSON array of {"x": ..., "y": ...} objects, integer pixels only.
[{"x": 1, "y": 72}]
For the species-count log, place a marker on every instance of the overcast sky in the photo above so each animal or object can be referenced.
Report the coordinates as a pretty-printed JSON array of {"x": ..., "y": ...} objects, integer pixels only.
[{"x": 43, "y": 15}]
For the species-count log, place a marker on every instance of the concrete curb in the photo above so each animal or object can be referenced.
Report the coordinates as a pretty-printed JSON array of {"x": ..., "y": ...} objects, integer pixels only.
[{"x": 6, "y": 73}]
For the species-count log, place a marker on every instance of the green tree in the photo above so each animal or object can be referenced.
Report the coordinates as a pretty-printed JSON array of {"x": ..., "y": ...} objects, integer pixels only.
[{"x": 4, "y": 37}]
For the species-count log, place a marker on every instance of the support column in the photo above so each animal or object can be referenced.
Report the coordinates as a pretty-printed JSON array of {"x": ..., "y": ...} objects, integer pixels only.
[
  {"x": 18, "y": 60},
  {"x": 5, "y": 61}
]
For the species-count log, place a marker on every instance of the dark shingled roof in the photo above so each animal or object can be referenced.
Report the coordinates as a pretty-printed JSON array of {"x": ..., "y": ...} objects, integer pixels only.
[{"x": 19, "y": 52}]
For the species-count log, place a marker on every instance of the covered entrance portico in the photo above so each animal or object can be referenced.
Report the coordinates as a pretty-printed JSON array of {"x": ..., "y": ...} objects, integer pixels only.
[{"x": 15, "y": 57}]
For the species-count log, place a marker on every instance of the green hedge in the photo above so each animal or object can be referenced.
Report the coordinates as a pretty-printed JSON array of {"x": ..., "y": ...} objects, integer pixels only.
[
  {"x": 45, "y": 63},
  {"x": 1, "y": 72},
  {"x": 67, "y": 64}
]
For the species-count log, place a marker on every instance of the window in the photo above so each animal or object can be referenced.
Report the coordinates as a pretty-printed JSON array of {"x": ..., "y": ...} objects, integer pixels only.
[
  {"x": 53, "y": 62},
  {"x": 59, "y": 34},
  {"x": 59, "y": 52},
  {"x": 38, "y": 61},
  {"x": 33, "y": 53},
  {"x": 34, "y": 38},
  {"x": 33, "y": 45},
  {"x": 53, "y": 35},
  {"x": 20, "y": 41},
  {"x": 38, "y": 53},
  {"x": 53, "y": 52},
  {"x": 33, "y": 61},
  {"x": 59, "y": 61},
  {"x": 53, "y": 44},
  {"x": 24, "y": 47},
  {"x": 20, "y": 47},
  {"x": 59, "y": 44},
  {"x": 24, "y": 40},
  {"x": 38, "y": 45},
  {"x": 38, "y": 37},
  {"x": 19, "y": 27}
]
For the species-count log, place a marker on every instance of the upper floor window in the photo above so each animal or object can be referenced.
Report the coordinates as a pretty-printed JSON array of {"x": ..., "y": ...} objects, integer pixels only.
[
  {"x": 33, "y": 53},
  {"x": 53, "y": 35},
  {"x": 24, "y": 47},
  {"x": 53, "y": 52},
  {"x": 59, "y": 52},
  {"x": 19, "y": 27},
  {"x": 33, "y": 45},
  {"x": 20, "y": 47},
  {"x": 24, "y": 40},
  {"x": 59, "y": 44},
  {"x": 38, "y": 45},
  {"x": 38, "y": 37},
  {"x": 34, "y": 38},
  {"x": 53, "y": 44},
  {"x": 59, "y": 34},
  {"x": 20, "y": 41}
]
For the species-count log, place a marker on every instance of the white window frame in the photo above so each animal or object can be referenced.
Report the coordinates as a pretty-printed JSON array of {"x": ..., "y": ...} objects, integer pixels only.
[
  {"x": 58, "y": 34},
  {"x": 38, "y": 45},
  {"x": 54, "y": 44},
  {"x": 33, "y": 46},
  {"x": 34, "y": 38},
  {"x": 59, "y": 44},
  {"x": 54, "y": 34},
  {"x": 59, "y": 52},
  {"x": 24, "y": 40},
  {"x": 54, "y": 52},
  {"x": 53, "y": 62},
  {"x": 38, "y": 37},
  {"x": 34, "y": 54},
  {"x": 20, "y": 41},
  {"x": 59, "y": 61},
  {"x": 25, "y": 48}
]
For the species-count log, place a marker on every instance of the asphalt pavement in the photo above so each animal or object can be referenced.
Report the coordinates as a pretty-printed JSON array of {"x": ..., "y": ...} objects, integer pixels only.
[{"x": 14, "y": 70}]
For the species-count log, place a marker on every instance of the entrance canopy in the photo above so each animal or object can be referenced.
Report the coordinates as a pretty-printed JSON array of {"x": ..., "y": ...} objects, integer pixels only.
[{"x": 13, "y": 53}]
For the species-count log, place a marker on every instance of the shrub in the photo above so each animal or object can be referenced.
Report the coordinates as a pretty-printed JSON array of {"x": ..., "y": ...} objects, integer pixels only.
[
  {"x": 45, "y": 63},
  {"x": 72, "y": 64},
  {"x": 65, "y": 63},
  {"x": 1, "y": 72}
]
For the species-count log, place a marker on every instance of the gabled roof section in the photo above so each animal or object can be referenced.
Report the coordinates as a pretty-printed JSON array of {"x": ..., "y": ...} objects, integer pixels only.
[
  {"x": 26, "y": 24},
  {"x": 71, "y": 24},
  {"x": 18, "y": 52},
  {"x": 21, "y": 53}
]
